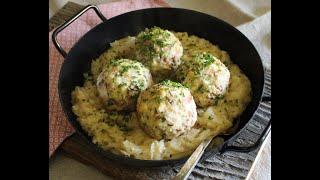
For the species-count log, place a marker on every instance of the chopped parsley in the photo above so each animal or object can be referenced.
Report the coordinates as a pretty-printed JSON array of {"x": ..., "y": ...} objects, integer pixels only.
[
  {"x": 125, "y": 68},
  {"x": 187, "y": 85},
  {"x": 149, "y": 37},
  {"x": 172, "y": 84},
  {"x": 139, "y": 84},
  {"x": 160, "y": 43},
  {"x": 217, "y": 99},
  {"x": 87, "y": 77},
  {"x": 115, "y": 62},
  {"x": 155, "y": 34},
  {"x": 208, "y": 59},
  {"x": 147, "y": 50},
  {"x": 158, "y": 99},
  {"x": 199, "y": 61},
  {"x": 201, "y": 88},
  {"x": 163, "y": 119},
  {"x": 121, "y": 85},
  {"x": 113, "y": 116},
  {"x": 124, "y": 128}
]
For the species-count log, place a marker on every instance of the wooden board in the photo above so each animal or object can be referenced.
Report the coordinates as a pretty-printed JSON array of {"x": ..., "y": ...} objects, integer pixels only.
[{"x": 230, "y": 165}]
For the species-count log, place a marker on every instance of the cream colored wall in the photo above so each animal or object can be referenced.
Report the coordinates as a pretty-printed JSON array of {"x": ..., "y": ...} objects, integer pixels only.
[{"x": 239, "y": 11}]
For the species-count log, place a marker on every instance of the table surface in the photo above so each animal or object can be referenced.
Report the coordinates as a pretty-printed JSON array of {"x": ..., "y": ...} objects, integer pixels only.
[{"x": 262, "y": 163}]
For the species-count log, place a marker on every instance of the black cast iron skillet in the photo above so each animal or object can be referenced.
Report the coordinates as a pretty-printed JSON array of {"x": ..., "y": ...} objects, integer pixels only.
[{"x": 97, "y": 40}]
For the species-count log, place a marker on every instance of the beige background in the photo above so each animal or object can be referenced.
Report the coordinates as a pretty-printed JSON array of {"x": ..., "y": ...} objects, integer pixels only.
[{"x": 236, "y": 12}]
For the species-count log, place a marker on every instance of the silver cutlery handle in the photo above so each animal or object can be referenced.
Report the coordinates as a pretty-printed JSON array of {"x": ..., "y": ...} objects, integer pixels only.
[{"x": 192, "y": 161}]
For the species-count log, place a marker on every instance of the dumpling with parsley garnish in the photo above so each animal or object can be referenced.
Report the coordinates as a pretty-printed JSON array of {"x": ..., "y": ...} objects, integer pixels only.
[
  {"x": 121, "y": 82},
  {"x": 206, "y": 77},
  {"x": 160, "y": 50},
  {"x": 166, "y": 110}
]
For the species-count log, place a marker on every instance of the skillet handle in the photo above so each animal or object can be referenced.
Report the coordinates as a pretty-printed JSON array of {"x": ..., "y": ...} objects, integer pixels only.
[
  {"x": 264, "y": 134},
  {"x": 68, "y": 22}
]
